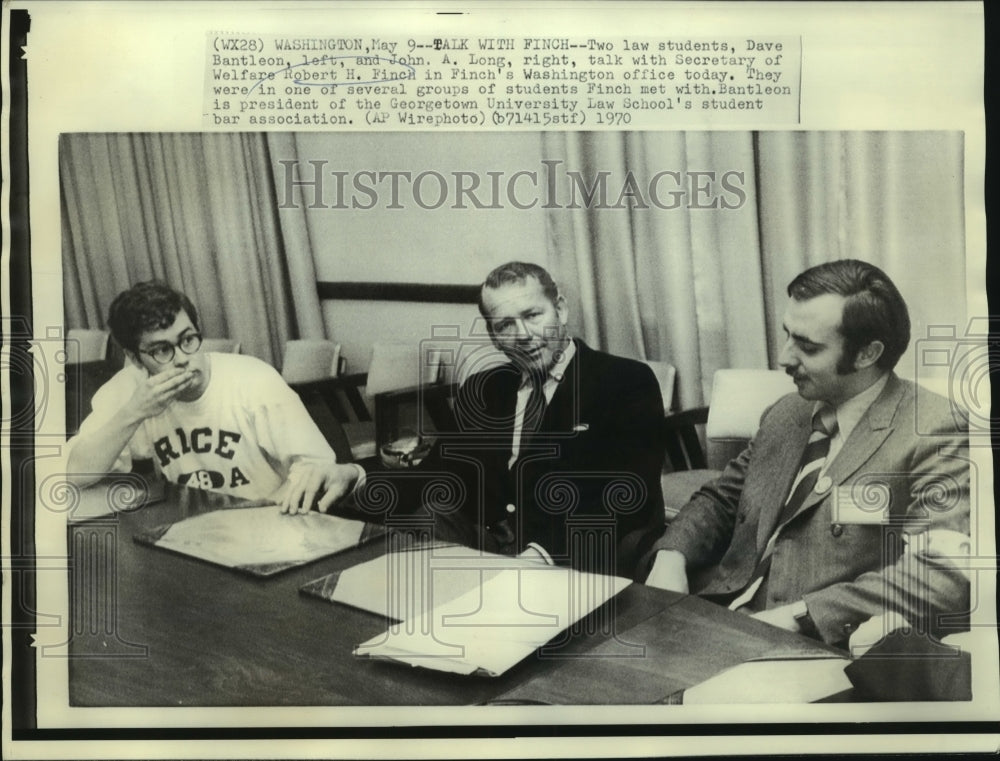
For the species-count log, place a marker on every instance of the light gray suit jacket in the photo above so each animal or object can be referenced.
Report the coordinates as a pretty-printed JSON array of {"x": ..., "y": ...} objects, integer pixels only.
[{"x": 903, "y": 472}]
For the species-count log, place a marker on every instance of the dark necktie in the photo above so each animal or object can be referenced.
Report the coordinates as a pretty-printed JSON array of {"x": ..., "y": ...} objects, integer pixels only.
[
  {"x": 531, "y": 421},
  {"x": 824, "y": 427},
  {"x": 534, "y": 410}
]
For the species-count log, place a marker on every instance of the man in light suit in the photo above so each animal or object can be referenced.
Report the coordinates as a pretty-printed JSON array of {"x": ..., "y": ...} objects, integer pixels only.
[
  {"x": 843, "y": 506},
  {"x": 558, "y": 451}
]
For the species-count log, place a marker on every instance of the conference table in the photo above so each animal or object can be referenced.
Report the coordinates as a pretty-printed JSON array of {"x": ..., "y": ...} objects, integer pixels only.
[{"x": 156, "y": 628}]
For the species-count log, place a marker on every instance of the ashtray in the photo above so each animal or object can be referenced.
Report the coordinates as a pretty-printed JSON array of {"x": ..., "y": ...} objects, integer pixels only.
[{"x": 404, "y": 453}]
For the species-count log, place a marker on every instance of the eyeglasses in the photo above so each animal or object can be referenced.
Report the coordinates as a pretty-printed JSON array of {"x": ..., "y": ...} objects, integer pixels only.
[{"x": 164, "y": 352}]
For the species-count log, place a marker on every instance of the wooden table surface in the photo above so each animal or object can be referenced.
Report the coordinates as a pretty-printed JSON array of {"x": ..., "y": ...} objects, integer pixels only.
[{"x": 154, "y": 628}]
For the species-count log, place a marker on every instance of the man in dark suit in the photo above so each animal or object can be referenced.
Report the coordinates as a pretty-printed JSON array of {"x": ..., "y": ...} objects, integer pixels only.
[
  {"x": 558, "y": 451},
  {"x": 852, "y": 500}
]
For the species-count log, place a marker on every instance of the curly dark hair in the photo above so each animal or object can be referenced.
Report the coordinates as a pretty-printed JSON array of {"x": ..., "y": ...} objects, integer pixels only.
[{"x": 146, "y": 306}]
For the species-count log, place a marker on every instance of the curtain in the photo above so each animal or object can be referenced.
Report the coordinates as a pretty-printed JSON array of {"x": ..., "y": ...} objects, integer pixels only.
[
  {"x": 298, "y": 243},
  {"x": 661, "y": 283},
  {"x": 894, "y": 199},
  {"x": 197, "y": 211},
  {"x": 704, "y": 288},
  {"x": 698, "y": 285}
]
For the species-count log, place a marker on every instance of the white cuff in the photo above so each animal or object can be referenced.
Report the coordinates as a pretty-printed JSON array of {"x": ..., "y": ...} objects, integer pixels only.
[
  {"x": 541, "y": 551},
  {"x": 362, "y": 476}
]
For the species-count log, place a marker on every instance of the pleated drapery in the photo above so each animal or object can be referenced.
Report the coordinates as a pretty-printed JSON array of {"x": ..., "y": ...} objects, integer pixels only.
[
  {"x": 195, "y": 210},
  {"x": 704, "y": 289},
  {"x": 701, "y": 288}
]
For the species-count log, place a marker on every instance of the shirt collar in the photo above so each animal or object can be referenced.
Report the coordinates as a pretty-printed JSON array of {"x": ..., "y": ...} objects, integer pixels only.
[{"x": 849, "y": 413}]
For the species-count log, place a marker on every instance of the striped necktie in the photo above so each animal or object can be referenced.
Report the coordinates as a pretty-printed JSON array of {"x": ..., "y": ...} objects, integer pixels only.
[{"x": 824, "y": 428}]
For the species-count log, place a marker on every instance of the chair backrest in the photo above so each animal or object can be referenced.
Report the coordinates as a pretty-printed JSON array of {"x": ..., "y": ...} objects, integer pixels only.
[
  {"x": 739, "y": 398},
  {"x": 82, "y": 382},
  {"x": 666, "y": 376},
  {"x": 85, "y": 345},
  {"x": 396, "y": 366},
  {"x": 325, "y": 409},
  {"x": 310, "y": 359},
  {"x": 682, "y": 440},
  {"x": 221, "y": 345}
]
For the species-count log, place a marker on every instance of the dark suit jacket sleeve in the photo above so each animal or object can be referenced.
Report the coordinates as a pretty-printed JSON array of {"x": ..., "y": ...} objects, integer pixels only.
[{"x": 627, "y": 443}]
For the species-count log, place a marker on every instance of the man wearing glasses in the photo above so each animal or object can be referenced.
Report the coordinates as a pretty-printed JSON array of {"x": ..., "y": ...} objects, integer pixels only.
[{"x": 224, "y": 422}]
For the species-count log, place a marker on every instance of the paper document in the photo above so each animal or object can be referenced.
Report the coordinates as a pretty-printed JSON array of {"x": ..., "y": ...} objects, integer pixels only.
[
  {"x": 791, "y": 680},
  {"x": 407, "y": 583},
  {"x": 493, "y": 626},
  {"x": 260, "y": 540}
]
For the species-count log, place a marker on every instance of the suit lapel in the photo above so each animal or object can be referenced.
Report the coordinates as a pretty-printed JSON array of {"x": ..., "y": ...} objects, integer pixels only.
[
  {"x": 560, "y": 414},
  {"x": 794, "y": 441},
  {"x": 865, "y": 440}
]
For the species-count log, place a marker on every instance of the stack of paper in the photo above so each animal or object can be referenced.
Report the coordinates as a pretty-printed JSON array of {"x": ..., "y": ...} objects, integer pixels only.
[
  {"x": 792, "y": 679},
  {"x": 490, "y": 627},
  {"x": 410, "y": 581}
]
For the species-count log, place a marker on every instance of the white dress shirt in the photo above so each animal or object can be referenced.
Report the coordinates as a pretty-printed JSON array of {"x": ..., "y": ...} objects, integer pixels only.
[
  {"x": 552, "y": 381},
  {"x": 849, "y": 414}
]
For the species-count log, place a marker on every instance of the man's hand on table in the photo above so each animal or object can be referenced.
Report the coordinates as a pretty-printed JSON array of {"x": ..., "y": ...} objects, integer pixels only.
[
  {"x": 326, "y": 481},
  {"x": 669, "y": 572}
]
